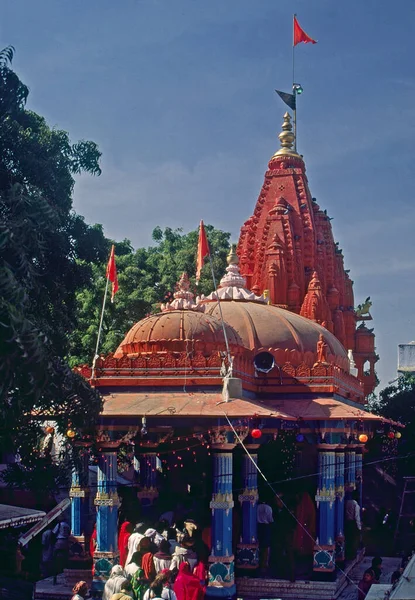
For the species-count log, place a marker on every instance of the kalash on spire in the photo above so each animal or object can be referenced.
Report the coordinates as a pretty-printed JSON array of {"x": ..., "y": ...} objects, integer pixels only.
[{"x": 287, "y": 245}]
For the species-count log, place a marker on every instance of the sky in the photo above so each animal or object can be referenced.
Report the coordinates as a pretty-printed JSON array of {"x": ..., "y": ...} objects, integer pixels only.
[{"x": 179, "y": 95}]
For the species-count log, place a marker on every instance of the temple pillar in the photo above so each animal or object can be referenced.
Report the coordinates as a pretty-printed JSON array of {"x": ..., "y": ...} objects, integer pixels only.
[
  {"x": 107, "y": 502},
  {"x": 359, "y": 473},
  {"x": 350, "y": 468},
  {"x": 339, "y": 506},
  {"x": 221, "y": 561},
  {"x": 148, "y": 479},
  {"x": 79, "y": 495},
  {"x": 324, "y": 551},
  {"x": 247, "y": 550}
]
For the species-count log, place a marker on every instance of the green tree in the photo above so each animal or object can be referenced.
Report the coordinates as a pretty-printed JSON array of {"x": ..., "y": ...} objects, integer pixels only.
[
  {"x": 397, "y": 402},
  {"x": 147, "y": 277},
  {"x": 46, "y": 251}
]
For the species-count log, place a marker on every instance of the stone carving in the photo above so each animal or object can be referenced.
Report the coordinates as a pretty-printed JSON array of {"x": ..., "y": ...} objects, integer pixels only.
[
  {"x": 363, "y": 310},
  {"x": 301, "y": 219},
  {"x": 183, "y": 297},
  {"x": 322, "y": 349}
]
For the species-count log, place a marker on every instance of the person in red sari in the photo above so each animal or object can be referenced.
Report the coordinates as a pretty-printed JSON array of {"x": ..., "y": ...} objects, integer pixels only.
[
  {"x": 93, "y": 542},
  {"x": 126, "y": 530},
  {"x": 200, "y": 571},
  {"x": 187, "y": 586}
]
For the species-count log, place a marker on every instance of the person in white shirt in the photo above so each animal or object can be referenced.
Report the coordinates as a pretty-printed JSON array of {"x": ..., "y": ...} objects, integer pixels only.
[
  {"x": 162, "y": 558},
  {"x": 352, "y": 525},
  {"x": 264, "y": 522},
  {"x": 133, "y": 565},
  {"x": 134, "y": 541},
  {"x": 183, "y": 555}
]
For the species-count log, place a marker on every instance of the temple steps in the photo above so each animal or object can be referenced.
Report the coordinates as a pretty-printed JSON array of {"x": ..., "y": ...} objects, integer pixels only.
[{"x": 248, "y": 588}]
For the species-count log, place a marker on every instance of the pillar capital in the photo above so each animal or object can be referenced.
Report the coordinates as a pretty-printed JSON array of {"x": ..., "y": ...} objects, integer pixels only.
[
  {"x": 107, "y": 445},
  {"x": 327, "y": 447},
  {"x": 223, "y": 447}
]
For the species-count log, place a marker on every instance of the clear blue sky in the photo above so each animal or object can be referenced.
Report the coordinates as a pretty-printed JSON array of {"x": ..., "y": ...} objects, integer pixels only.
[{"x": 179, "y": 95}]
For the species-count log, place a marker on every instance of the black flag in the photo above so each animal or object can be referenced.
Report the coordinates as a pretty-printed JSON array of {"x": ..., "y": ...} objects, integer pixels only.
[{"x": 289, "y": 99}]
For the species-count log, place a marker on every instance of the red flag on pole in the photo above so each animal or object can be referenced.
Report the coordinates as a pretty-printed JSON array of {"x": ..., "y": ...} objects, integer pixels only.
[
  {"x": 300, "y": 35},
  {"x": 202, "y": 250},
  {"x": 112, "y": 273}
]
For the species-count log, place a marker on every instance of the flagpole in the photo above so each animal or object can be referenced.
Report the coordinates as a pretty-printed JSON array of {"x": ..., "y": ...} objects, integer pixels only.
[
  {"x": 225, "y": 335},
  {"x": 100, "y": 329},
  {"x": 295, "y": 109}
]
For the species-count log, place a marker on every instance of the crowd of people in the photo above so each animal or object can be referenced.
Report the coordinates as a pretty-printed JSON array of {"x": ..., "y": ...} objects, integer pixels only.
[{"x": 158, "y": 562}]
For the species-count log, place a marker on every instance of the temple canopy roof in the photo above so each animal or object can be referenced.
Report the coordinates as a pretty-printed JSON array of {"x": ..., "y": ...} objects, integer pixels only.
[{"x": 210, "y": 404}]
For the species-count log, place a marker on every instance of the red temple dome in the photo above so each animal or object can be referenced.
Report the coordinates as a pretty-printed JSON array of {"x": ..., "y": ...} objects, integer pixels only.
[
  {"x": 180, "y": 327},
  {"x": 176, "y": 331},
  {"x": 265, "y": 327}
]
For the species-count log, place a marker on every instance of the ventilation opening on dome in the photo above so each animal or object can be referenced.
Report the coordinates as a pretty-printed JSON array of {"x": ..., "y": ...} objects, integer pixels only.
[{"x": 264, "y": 362}]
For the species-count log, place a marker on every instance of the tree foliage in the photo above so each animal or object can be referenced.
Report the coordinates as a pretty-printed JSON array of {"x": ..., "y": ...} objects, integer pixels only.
[
  {"x": 45, "y": 255},
  {"x": 397, "y": 402},
  {"x": 147, "y": 277}
]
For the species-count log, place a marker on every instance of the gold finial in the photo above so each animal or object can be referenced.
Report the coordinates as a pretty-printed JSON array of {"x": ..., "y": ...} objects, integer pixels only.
[
  {"x": 286, "y": 138},
  {"x": 232, "y": 258}
]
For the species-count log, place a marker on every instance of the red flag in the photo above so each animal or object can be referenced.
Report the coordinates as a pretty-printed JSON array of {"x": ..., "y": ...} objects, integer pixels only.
[
  {"x": 112, "y": 273},
  {"x": 202, "y": 250},
  {"x": 300, "y": 35}
]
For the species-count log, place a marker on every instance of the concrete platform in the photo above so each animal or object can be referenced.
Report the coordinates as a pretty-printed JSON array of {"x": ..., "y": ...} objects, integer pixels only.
[{"x": 45, "y": 590}]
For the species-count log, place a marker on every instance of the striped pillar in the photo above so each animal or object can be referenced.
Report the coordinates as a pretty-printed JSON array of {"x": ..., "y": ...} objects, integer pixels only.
[
  {"x": 359, "y": 473},
  {"x": 350, "y": 468},
  {"x": 107, "y": 503},
  {"x": 148, "y": 479},
  {"x": 221, "y": 561},
  {"x": 79, "y": 495},
  {"x": 247, "y": 550},
  {"x": 324, "y": 552},
  {"x": 339, "y": 506}
]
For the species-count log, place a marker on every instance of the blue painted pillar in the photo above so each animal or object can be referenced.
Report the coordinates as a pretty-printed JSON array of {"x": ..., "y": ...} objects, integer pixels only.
[
  {"x": 324, "y": 552},
  {"x": 339, "y": 507},
  {"x": 148, "y": 479},
  {"x": 350, "y": 468},
  {"x": 221, "y": 561},
  {"x": 79, "y": 495},
  {"x": 107, "y": 503},
  {"x": 247, "y": 556},
  {"x": 359, "y": 473}
]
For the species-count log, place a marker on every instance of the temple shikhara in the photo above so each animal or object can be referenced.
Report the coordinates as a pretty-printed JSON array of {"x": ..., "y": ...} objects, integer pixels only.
[{"x": 278, "y": 359}]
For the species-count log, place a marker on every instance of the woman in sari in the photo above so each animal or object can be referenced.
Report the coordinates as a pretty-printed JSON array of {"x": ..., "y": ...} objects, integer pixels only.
[
  {"x": 113, "y": 584},
  {"x": 126, "y": 530},
  {"x": 187, "y": 586}
]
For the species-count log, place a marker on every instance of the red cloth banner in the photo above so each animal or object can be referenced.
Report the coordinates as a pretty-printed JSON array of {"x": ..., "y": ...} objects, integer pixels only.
[
  {"x": 112, "y": 273},
  {"x": 202, "y": 250},
  {"x": 300, "y": 35}
]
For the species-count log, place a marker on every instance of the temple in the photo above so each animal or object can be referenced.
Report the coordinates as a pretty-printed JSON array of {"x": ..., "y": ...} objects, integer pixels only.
[{"x": 272, "y": 359}]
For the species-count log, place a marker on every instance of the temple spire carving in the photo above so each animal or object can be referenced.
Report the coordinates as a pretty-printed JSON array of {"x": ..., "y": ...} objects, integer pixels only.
[
  {"x": 286, "y": 138},
  {"x": 183, "y": 297},
  {"x": 287, "y": 239},
  {"x": 232, "y": 286}
]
